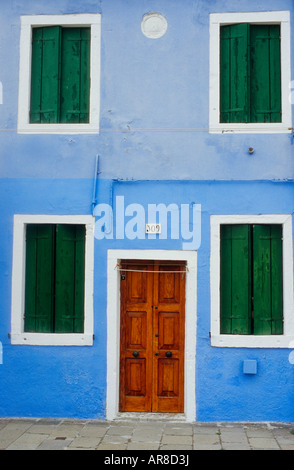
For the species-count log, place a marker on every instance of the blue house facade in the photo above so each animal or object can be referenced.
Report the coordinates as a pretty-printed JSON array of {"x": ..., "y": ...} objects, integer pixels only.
[{"x": 147, "y": 193}]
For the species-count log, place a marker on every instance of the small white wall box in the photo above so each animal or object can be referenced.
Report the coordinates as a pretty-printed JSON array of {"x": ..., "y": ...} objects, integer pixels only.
[{"x": 250, "y": 367}]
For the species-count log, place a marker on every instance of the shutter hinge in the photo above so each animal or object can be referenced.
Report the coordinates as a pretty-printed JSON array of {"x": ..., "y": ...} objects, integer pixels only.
[{"x": 93, "y": 337}]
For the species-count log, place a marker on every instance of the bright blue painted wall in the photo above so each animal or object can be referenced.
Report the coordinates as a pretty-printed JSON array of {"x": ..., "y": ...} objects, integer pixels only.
[
  {"x": 71, "y": 381},
  {"x": 154, "y": 148}
]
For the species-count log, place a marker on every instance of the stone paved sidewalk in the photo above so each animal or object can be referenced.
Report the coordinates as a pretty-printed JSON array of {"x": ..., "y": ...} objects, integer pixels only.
[{"x": 51, "y": 434}]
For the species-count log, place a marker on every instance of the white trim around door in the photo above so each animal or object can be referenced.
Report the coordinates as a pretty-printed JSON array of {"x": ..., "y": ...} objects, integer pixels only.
[{"x": 113, "y": 323}]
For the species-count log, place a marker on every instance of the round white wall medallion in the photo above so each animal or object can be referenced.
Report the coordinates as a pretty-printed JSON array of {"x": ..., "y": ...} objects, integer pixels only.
[{"x": 154, "y": 25}]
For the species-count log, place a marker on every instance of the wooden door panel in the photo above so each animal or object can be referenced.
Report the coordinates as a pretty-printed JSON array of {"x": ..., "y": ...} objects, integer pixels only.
[
  {"x": 136, "y": 285},
  {"x": 168, "y": 383},
  {"x": 169, "y": 288},
  {"x": 136, "y": 396},
  {"x": 135, "y": 372},
  {"x": 136, "y": 330},
  {"x": 168, "y": 330},
  {"x": 168, "y": 395}
]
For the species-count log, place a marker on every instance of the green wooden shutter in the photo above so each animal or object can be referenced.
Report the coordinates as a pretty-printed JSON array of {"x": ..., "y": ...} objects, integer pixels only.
[
  {"x": 39, "y": 282},
  {"x": 234, "y": 73},
  {"x": 70, "y": 269},
  {"x": 267, "y": 279},
  {"x": 75, "y": 86},
  {"x": 36, "y": 75},
  {"x": 45, "y": 82},
  {"x": 235, "y": 286},
  {"x": 265, "y": 64}
]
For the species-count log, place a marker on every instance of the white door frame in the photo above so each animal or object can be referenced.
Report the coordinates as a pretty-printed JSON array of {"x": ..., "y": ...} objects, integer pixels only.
[{"x": 113, "y": 323}]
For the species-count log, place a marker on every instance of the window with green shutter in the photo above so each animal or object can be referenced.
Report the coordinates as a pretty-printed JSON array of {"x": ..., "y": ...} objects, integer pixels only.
[
  {"x": 60, "y": 78},
  {"x": 55, "y": 274},
  {"x": 251, "y": 285},
  {"x": 250, "y": 73}
]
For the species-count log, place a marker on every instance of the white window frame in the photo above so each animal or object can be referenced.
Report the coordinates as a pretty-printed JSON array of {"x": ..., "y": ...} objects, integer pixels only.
[
  {"x": 18, "y": 335},
  {"x": 252, "y": 341},
  {"x": 24, "y": 94},
  {"x": 273, "y": 17}
]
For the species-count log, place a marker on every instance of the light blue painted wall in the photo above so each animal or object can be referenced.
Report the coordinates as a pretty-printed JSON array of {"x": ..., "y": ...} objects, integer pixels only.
[
  {"x": 157, "y": 86},
  {"x": 161, "y": 87}
]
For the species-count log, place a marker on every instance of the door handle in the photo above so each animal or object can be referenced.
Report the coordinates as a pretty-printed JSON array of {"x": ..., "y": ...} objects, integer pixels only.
[
  {"x": 135, "y": 354},
  {"x": 168, "y": 354}
]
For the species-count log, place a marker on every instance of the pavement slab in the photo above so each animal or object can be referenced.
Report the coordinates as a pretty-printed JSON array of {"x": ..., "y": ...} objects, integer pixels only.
[{"x": 132, "y": 435}]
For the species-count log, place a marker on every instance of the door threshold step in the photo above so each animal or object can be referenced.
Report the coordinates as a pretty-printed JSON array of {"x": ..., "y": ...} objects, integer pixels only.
[{"x": 135, "y": 416}]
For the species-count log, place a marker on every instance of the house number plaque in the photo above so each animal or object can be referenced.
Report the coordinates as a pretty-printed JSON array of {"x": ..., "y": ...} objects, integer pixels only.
[{"x": 153, "y": 228}]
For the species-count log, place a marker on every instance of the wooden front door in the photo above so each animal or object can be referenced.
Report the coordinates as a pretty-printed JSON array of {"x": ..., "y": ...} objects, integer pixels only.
[{"x": 152, "y": 336}]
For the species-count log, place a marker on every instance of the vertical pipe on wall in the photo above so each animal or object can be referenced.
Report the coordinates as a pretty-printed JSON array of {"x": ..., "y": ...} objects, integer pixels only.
[{"x": 95, "y": 183}]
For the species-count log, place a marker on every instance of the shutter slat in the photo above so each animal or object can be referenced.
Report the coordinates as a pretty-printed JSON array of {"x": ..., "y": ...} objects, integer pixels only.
[
  {"x": 226, "y": 280},
  {"x": 277, "y": 279},
  {"x": 45, "y": 83},
  {"x": 39, "y": 286},
  {"x": 36, "y": 80},
  {"x": 235, "y": 267},
  {"x": 267, "y": 280},
  {"x": 261, "y": 280},
  {"x": 85, "y": 75},
  {"x": 265, "y": 59},
  {"x": 69, "y": 288},
  {"x": 234, "y": 73},
  {"x": 241, "y": 284},
  {"x": 75, "y": 86},
  {"x": 79, "y": 279},
  {"x": 50, "y": 109}
]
